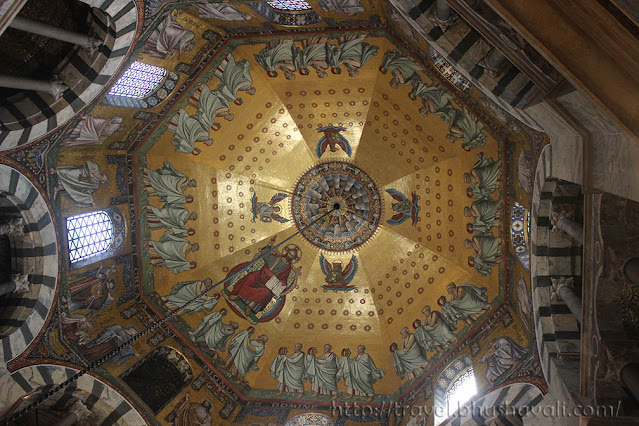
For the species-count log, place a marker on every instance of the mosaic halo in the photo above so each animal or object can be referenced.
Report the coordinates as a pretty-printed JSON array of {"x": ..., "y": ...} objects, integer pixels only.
[{"x": 346, "y": 197}]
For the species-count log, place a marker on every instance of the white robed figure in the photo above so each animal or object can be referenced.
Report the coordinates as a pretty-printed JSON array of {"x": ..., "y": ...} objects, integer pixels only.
[
  {"x": 171, "y": 251},
  {"x": 467, "y": 302},
  {"x": 408, "y": 360},
  {"x": 93, "y": 130},
  {"x": 184, "y": 292},
  {"x": 359, "y": 373},
  {"x": 352, "y": 52},
  {"x": 503, "y": 354},
  {"x": 462, "y": 124},
  {"x": 312, "y": 54},
  {"x": 435, "y": 100},
  {"x": 322, "y": 372},
  {"x": 79, "y": 182},
  {"x": 487, "y": 249},
  {"x": 436, "y": 332},
  {"x": 168, "y": 184},
  {"x": 210, "y": 104},
  {"x": 244, "y": 353},
  {"x": 186, "y": 132},
  {"x": 212, "y": 334},
  {"x": 167, "y": 38},
  {"x": 484, "y": 176},
  {"x": 402, "y": 68},
  {"x": 290, "y": 371},
  {"x": 221, "y": 11},
  {"x": 171, "y": 217},
  {"x": 277, "y": 57},
  {"x": 234, "y": 76},
  {"x": 484, "y": 213}
]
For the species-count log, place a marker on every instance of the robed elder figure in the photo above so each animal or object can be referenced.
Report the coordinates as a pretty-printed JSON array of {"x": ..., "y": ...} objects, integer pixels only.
[{"x": 252, "y": 286}]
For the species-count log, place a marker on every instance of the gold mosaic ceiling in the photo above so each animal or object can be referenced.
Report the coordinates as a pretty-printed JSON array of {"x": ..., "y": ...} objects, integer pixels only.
[{"x": 270, "y": 143}]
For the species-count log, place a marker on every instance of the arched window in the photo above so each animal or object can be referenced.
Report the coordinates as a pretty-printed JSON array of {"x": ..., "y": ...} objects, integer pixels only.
[
  {"x": 455, "y": 386},
  {"x": 94, "y": 236},
  {"x": 289, "y": 4},
  {"x": 138, "y": 81},
  {"x": 446, "y": 69},
  {"x": 89, "y": 235}
]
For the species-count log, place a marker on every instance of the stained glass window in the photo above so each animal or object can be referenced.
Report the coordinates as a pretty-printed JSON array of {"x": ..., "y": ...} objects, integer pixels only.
[
  {"x": 89, "y": 234},
  {"x": 460, "y": 391},
  {"x": 289, "y": 4},
  {"x": 447, "y": 70},
  {"x": 138, "y": 81}
]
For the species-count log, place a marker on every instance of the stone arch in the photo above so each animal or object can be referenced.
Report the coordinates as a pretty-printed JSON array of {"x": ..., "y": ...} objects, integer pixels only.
[
  {"x": 85, "y": 75},
  {"x": 107, "y": 405},
  {"x": 35, "y": 253},
  {"x": 555, "y": 256},
  {"x": 505, "y": 405}
]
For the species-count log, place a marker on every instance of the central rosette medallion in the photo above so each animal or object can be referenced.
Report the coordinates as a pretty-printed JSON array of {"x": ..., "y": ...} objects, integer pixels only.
[{"x": 345, "y": 198}]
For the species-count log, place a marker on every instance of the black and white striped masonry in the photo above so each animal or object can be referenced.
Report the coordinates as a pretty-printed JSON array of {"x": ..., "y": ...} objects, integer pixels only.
[
  {"x": 31, "y": 115},
  {"x": 553, "y": 255},
  {"x": 22, "y": 315},
  {"x": 108, "y": 407},
  {"x": 504, "y": 406}
]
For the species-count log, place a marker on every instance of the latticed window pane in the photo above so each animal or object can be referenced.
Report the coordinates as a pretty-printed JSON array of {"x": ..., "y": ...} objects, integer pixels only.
[
  {"x": 289, "y": 4},
  {"x": 460, "y": 391},
  {"x": 447, "y": 70},
  {"x": 89, "y": 234},
  {"x": 138, "y": 81}
]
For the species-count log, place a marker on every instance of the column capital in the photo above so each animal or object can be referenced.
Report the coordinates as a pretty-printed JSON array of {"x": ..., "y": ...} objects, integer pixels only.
[
  {"x": 80, "y": 410},
  {"x": 559, "y": 283},
  {"x": 57, "y": 88},
  {"x": 22, "y": 283},
  {"x": 558, "y": 214}
]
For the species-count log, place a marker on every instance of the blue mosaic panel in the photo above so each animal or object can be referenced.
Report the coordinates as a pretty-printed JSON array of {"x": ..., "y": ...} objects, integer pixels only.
[
  {"x": 89, "y": 235},
  {"x": 519, "y": 230},
  {"x": 446, "y": 69},
  {"x": 138, "y": 81},
  {"x": 289, "y": 4}
]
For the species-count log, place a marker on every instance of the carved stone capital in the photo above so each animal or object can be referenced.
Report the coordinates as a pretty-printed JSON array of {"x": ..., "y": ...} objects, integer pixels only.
[
  {"x": 57, "y": 88},
  {"x": 558, "y": 214},
  {"x": 560, "y": 282},
  {"x": 92, "y": 45},
  {"x": 80, "y": 410},
  {"x": 22, "y": 283},
  {"x": 443, "y": 24}
]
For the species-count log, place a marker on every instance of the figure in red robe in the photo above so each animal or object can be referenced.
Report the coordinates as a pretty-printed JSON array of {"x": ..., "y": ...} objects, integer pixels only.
[{"x": 273, "y": 275}]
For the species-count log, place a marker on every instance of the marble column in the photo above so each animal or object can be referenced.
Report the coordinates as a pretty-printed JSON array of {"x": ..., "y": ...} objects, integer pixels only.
[
  {"x": 494, "y": 62},
  {"x": 18, "y": 283},
  {"x": 46, "y": 30},
  {"x": 54, "y": 87},
  {"x": 443, "y": 15},
  {"x": 564, "y": 287},
  {"x": 561, "y": 221},
  {"x": 12, "y": 228}
]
